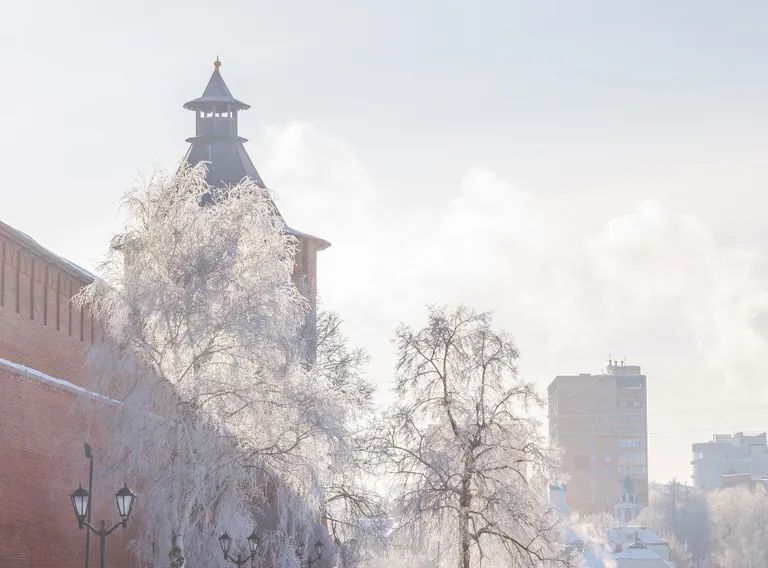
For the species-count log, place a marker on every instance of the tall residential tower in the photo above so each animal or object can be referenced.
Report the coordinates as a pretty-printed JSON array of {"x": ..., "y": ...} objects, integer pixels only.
[{"x": 600, "y": 423}]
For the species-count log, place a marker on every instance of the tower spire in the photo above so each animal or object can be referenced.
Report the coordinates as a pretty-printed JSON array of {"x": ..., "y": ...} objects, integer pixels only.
[
  {"x": 216, "y": 139},
  {"x": 217, "y": 143}
]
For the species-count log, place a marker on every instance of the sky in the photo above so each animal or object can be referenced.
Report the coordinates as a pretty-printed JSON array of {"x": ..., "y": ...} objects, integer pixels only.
[{"x": 592, "y": 172}]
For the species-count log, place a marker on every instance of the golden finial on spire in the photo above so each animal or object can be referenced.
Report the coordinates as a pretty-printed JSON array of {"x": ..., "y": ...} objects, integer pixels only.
[{"x": 217, "y": 63}]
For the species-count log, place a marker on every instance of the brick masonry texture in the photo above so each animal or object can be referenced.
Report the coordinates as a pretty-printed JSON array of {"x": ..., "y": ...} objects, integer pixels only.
[{"x": 42, "y": 427}]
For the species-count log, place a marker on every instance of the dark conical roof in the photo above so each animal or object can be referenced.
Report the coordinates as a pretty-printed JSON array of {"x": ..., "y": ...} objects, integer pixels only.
[
  {"x": 216, "y": 93},
  {"x": 228, "y": 162},
  {"x": 216, "y": 140},
  {"x": 218, "y": 144}
]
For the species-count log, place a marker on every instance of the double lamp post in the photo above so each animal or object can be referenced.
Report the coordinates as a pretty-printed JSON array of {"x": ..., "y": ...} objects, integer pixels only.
[
  {"x": 81, "y": 503},
  {"x": 314, "y": 559},
  {"x": 225, "y": 541},
  {"x": 125, "y": 498}
]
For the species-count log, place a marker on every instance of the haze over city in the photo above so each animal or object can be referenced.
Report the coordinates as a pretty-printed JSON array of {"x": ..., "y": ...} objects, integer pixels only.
[{"x": 593, "y": 173}]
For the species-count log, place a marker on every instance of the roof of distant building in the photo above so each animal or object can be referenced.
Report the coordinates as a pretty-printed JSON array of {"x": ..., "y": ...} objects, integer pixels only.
[
  {"x": 626, "y": 534},
  {"x": 639, "y": 553},
  {"x": 620, "y": 368},
  {"x": 614, "y": 372}
]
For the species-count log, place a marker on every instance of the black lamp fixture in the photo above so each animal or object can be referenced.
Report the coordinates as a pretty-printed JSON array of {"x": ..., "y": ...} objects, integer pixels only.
[
  {"x": 125, "y": 499},
  {"x": 81, "y": 503},
  {"x": 253, "y": 542},
  {"x": 225, "y": 541}
]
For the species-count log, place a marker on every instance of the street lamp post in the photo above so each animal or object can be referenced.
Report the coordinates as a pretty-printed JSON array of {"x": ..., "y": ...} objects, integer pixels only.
[
  {"x": 81, "y": 503},
  {"x": 225, "y": 541},
  {"x": 89, "y": 457}
]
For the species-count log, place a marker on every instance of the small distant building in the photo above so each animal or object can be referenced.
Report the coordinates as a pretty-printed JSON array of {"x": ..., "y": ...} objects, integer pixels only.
[
  {"x": 624, "y": 547},
  {"x": 600, "y": 422},
  {"x": 638, "y": 555},
  {"x": 628, "y": 503},
  {"x": 729, "y": 460},
  {"x": 746, "y": 480},
  {"x": 626, "y": 542}
]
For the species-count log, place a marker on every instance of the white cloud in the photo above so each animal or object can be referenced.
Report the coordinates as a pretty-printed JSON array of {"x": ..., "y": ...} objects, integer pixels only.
[{"x": 648, "y": 281}]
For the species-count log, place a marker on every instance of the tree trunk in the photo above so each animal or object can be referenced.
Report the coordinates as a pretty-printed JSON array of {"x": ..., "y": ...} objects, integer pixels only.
[
  {"x": 465, "y": 502},
  {"x": 177, "y": 553}
]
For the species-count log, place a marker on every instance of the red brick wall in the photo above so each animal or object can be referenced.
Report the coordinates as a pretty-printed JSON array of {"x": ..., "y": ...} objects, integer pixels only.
[
  {"x": 39, "y": 326},
  {"x": 42, "y": 431},
  {"x": 305, "y": 279},
  {"x": 305, "y": 269},
  {"x": 42, "y": 427}
]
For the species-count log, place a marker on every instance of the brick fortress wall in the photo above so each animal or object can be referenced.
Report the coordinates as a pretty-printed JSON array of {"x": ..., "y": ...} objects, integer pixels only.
[
  {"x": 43, "y": 423},
  {"x": 44, "y": 420}
]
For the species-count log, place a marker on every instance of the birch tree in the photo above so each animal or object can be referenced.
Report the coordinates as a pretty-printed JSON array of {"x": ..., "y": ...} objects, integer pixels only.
[
  {"x": 218, "y": 415},
  {"x": 468, "y": 462},
  {"x": 354, "y": 510}
]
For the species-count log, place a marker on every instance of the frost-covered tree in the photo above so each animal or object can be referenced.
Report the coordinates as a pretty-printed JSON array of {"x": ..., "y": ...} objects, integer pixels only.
[
  {"x": 679, "y": 513},
  {"x": 468, "y": 462},
  {"x": 739, "y": 527},
  {"x": 718, "y": 529},
  {"x": 354, "y": 510},
  {"x": 341, "y": 366},
  {"x": 219, "y": 417},
  {"x": 679, "y": 552}
]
